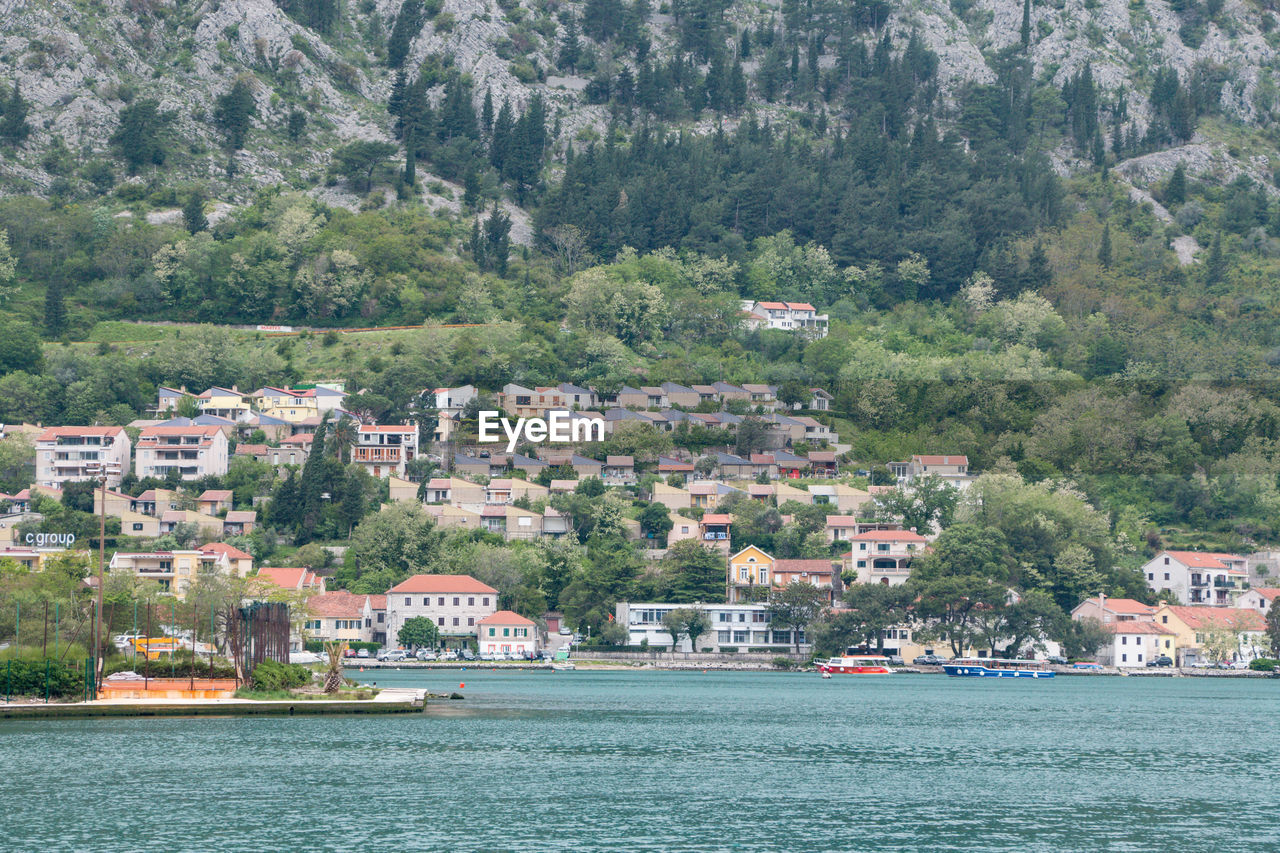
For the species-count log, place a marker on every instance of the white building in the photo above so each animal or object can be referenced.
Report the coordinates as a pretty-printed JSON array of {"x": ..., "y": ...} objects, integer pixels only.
[
  {"x": 1259, "y": 598},
  {"x": 884, "y": 556},
  {"x": 789, "y": 316},
  {"x": 1136, "y": 643},
  {"x": 453, "y": 399},
  {"x": 456, "y": 603},
  {"x": 739, "y": 626},
  {"x": 1198, "y": 578},
  {"x": 507, "y": 632},
  {"x": 194, "y": 451},
  {"x": 384, "y": 451},
  {"x": 65, "y": 454}
]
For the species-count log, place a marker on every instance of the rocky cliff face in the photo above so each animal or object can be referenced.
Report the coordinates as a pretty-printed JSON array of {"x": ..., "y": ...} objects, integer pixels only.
[{"x": 80, "y": 64}]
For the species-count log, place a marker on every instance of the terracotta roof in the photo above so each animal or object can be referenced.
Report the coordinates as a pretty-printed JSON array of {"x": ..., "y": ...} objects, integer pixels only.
[
  {"x": 289, "y": 577},
  {"x": 180, "y": 430},
  {"x": 1134, "y": 627},
  {"x": 336, "y": 605},
  {"x": 822, "y": 456},
  {"x": 231, "y": 551},
  {"x": 241, "y": 516},
  {"x": 1127, "y": 606},
  {"x": 505, "y": 617},
  {"x": 1269, "y": 593},
  {"x": 619, "y": 461},
  {"x": 442, "y": 583},
  {"x": 215, "y": 495},
  {"x": 377, "y": 602},
  {"x": 716, "y": 518},
  {"x": 1204, "y": 617},
  {"x": 941, "y": 460},
  {"x": 842, "y": 521},
  {"x": 387, "y": 428},
  {"x": 818, "y": 567},
  {"x": 891, "y": 536},
  {"x": 251, "y": 450},
  {"x": 1204, "y": 559},
  {"x": 54, "y": 432}
]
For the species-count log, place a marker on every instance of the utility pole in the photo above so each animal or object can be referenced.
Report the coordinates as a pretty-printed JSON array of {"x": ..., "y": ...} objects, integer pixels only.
[{"x": 101, "y": 471}]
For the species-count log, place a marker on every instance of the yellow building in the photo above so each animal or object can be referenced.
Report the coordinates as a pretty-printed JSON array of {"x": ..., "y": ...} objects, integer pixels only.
[
  {"x": 291, "y": 406},
  {"x": 224, "y": 403},
  {"x": 750, "y": 570},
  {"x": 1196, "y": 628}
]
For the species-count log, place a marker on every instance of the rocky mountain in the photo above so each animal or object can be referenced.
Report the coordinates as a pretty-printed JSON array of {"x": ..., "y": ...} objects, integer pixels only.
[{"x": 79, "y": 63}]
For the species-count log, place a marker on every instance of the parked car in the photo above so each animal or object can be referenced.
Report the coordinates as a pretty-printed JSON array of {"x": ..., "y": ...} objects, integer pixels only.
[
  {"x": 362, "y": 653},
  {"x": 467, "y": 654},
  {"x": 448, "y": 654},
  {"x": 929, "y": 660},
  {"x": 349, "y": 653},
  {"x": 565, "y": 632},
  {"x": 1163, "y": 660},
  {"x": 896, "y": 660},
  {"x": 1057, "y": 659},
  {"x": 425, "y": 654},
  {"x": 392, "y": 655}
]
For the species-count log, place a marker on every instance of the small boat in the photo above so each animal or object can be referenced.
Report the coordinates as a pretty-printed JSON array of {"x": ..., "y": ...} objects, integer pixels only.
[
  {"x": 997, "y": 668},
  {"x": 856, "y": 665},
  {"x": 561, "y": 662}
]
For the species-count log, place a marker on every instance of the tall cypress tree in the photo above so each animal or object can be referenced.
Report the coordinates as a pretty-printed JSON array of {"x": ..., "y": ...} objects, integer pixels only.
[
  {"x": 1104, "y": 248},
  {"x": 406, "y": 28},
  {"x": 13, "y": 118},
  {"x": 233, "y": 112},
  {"x": 1176, "y": 190},
  {"x": 55, "y": 309},
  {"x": 570, "y": 46},
  {"x": 497, "y": 238},
  {"x": 1026, "y": 24}
]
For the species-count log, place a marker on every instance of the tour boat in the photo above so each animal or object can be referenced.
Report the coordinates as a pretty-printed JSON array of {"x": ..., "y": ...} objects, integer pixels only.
[
  {"x": 856, "y": 665},
  {"x": 997, "y": 668}
]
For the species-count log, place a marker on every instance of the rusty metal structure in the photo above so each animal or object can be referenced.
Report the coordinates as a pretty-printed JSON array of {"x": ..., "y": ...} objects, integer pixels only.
[{"x": 258, "y": 632}]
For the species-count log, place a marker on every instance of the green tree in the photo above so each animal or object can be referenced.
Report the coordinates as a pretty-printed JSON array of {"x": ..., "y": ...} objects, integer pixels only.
[
  {"x": 927, "y": 505},
  {"x": 1081, "y": 638},
  {"x": 794, "y": 606},
  {"x": 19, "y": 347},
  {"x": 139, "y": 139},
  {"x": 692, "y": 573},
  {"x": 1273, "y": 630},
  {"x": 17, "y": 463},
  {"x": 358, "y": 161},
  {"x": 691, "y": 622},
  {"x": 872, "y": 609},
  {"x": 388, "y": 546},
  {"x": 1175, "y": 192},
  {"x": 408, "y": 24},
  {"x": 13, "y": 118},
  {"x": 655, "y": 522},
  {"x": 418, "y": 632},
  {"x": 193, "y": 212},
  {"x": 233, "y": 113},
  {"x": 1104, "y": 247},
  {"x": 752, "y": 436},
  {"x": 962, "y": 584}
]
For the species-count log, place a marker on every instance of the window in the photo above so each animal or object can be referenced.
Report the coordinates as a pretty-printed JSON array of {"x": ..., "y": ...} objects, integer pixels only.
[
  {"x": 440, "y": 601},
  {"x": 1166, "y": 575},
  {"x": 368, "y": 623},
  {"x": 1124, "y": 658},
  {"x": 724, "y": 617},
  {"x": 455, "y": 621},
  {"x": 471, "y": 621},
  {"x": 1166, "y": 561},
  {"x": 137, "y": 525},
  {"x": 1164, "y": 619},
  {"x": 1124, "y": 641},
  {"x": 440, "y": 621},
  {"x": 506, "y": 632},
  {"x": 764, "y": 575},
  {"x": 742, "y": 617},
  {"x": 407, "y": 601},
  {"x": 380, "y": 615},
  {"x": 1166, "y": 644},
  {"x": 739, "y": 636},
  {"x": 485, "y": 600},
  {"x": 471, "y": 601},
  {"x": 743, "y": 574},
  {"x": 426, "y": 601},
  {"x": 492, "y": 631},
  {"x": 1139, "y": 658},
  {"x": 456, "y": 600},
  {"x": 1151, "y": 576}
]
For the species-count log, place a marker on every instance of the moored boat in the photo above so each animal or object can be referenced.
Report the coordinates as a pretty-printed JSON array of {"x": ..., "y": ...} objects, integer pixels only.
[
  {"x": 997, "y": 668},
  {"x": 856, "y": 665}
]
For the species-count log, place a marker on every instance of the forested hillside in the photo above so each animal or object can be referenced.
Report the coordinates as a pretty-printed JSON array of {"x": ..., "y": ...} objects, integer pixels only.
[{"x": 1045, "y": 235}]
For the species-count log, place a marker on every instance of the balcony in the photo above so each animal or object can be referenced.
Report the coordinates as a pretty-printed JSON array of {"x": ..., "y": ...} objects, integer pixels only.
[
  {"x": 713, "y": 536},
  {"x": 1224, "y": 583},
  {"x": 377, "y": 454}
]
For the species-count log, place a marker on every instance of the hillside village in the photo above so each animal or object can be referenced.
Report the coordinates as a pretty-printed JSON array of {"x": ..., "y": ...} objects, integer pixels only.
[{"x": 775, "y": 534}]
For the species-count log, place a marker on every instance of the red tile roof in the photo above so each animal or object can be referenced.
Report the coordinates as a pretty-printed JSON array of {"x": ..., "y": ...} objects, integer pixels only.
[
  {"x": 336, "y": 605},
  {"x": 289, "y": 577},
  {"x": 1134, "y": 627},
  {"x": 941, "y": 460},
  {"x": 890, "y": 536},
  {"x": 53, "y": 433},
  {"x": 819, "y": 567},
  {"x": 505, "y": 617},
  {"x": 442, "y": 583},
  {"x": 1269, "y": 593},
  {"x": 1204, "y": 559},
  {"x": 377, "y": 602},
  {"x": 215, "y": 495},
  {"x": 232, "y": 552},
  {"x": 1205, "y": 617},
  {"x": 1127, "y": 606},
  {"x": 716, "y": 518}
]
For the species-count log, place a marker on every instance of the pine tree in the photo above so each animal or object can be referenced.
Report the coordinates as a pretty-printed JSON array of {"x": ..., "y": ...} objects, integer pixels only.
[
  {"x": 193, "y": 212},
  {"x": 406, "y": 28},
  {"x": 570, "y": 46},
  {"x": 139, "y": 138},
  {"x": 1216, "y": 267},
  {"x": 55, "y": 309},
  {"x": 1038, "y": 275},
  {"x": 497, "y": 238},
  {"x": 233, "y": 112},
  {"x": 1176, "y": 190},
  {"x": 410, "y": 160},
  {"x": 744, "y": 44},
  {"x": 471, "y": 187},
  {"x": 1026, "y": 24},
  {"x": 13, "y": 118},
  {"x": 1104, "y": 248},
  {"x": 477, "y": 245},
  {"x": 486, "y": 113},
  {"x": 297, "y": 123}
]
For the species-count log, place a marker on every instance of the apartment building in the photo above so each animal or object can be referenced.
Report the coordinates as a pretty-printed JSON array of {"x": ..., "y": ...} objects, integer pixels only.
[
  {"x": 385, "y": 450},
  {"x": 193, "y": 451},
  {"x": 456, "y": 603},
  {"x": 66, "y": 454}
]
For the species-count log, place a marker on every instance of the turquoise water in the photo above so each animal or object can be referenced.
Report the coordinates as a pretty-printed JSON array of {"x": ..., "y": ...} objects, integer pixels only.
[{"x": 658, "y": 761}]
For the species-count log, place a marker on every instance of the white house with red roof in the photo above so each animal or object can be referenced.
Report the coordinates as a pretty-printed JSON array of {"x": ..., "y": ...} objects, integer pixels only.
[
  {"x": 884, "y": 556},
  {"x": 65, "y": 454},
  {"x": 788, "y": 316},
  {"x": 1259, "y": 598},
  {"x": 1198, "y": 577},
  {"x": 456, "y": 603},
  {"x": 1108, "y": 610},
  {"x": 385, "y": 450},
  {"x": 507, "y": 632},
  {"x": 337, "y": 615},
  {"x": 194, "y": 451},
  {"x": 239, "y": 562},
  {"x": 293, "y": 578},
  {"x": 1137, "y": 643},
  {"x": 952, "y": 468}
]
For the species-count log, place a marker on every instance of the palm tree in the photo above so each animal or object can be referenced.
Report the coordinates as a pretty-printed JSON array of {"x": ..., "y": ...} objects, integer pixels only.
[
  {"x": 333, "y": 677},
  {"x": 343, "y": 436}
]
